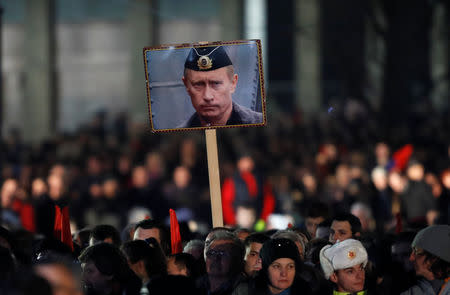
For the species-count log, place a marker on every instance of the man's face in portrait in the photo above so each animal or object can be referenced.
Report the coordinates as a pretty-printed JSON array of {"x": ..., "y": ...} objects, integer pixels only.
[{"x": 210, "y": 93}]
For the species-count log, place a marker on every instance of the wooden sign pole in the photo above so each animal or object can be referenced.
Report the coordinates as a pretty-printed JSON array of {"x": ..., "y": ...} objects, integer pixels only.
[{"x": 214, "y": 177}]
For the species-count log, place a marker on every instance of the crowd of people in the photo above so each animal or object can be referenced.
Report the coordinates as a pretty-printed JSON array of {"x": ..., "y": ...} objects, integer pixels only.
[{"x": 292, "y": 192}]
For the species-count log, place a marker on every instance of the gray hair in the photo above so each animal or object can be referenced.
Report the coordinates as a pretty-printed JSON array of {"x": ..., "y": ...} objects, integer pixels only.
[
  {"x": 223, "y": 235},
  {"x": 193, "y": 244}
]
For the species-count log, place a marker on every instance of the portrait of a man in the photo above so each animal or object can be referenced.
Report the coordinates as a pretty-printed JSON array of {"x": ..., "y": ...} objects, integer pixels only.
[
  {"x": 201, "y": 86},
  {"x": 210, "y": 81}
]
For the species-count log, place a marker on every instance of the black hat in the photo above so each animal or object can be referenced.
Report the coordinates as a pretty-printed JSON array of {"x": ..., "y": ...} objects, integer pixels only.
[
  {"x": 207, "y": 58},
  {"x": 279, "y": 248}
]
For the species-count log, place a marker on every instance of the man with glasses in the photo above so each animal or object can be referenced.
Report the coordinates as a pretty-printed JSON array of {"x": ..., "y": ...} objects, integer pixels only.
[
  {"x": 224, "y": 256},
  {"x": 431, "y": 258}
]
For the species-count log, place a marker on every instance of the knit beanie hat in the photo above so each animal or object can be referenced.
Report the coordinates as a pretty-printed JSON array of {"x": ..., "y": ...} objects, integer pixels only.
[
  {"x": 434, "y": 239},
  {"x": 274, "y": 249},
  {"x": 341, "y": 255}
]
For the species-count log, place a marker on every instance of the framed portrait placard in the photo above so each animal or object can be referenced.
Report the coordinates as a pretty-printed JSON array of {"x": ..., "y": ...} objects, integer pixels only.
[{"x": 203, "y": 85}]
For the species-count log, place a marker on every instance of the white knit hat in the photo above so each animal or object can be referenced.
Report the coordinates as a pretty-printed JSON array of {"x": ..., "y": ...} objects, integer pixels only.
[{"x": 341, "y": 255}]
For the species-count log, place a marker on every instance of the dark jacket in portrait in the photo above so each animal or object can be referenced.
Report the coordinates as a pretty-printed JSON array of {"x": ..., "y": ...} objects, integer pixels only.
[{"x": 239, "y": 115}]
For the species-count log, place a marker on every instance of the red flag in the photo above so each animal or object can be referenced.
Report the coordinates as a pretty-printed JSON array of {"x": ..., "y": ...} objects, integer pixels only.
[
  {"x": 61, "y": 230},
  {"x": 27, "y": 218},
  {"x": 26, "y": 213},
  {"x": 401, "y": 157},
  {"x": 175, "y": 237}
]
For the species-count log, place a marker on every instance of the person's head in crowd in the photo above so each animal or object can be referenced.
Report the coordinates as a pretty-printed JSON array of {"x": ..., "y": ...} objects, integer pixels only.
[
  {"x": 224, "y": 257},
  {"x": 182, "y": 264},
  {"x": 82, "y": 236},
  {"x": 343, "y": 177},
  {"x": 104, "y": 233},
  {"x": 146, "y": 261},
  {"x": 154, "y": 163},
  {"x": 430, "y": 252},
  {"x": 8, "y": 192},
  {"x": 38, "y": 188},
  {"x": 62, "y": 274},
  {"x": 150, "y": 228},
  {"x": 123, "y": 165},
  {"x": 323, "y": 229},
  {"x": 379, "y": 177},
  {"x": 433, "y": 181},
  {"x": 304, "y": 235},
  {"x": 344, "y": 264},
  {"x": 181, "y": 177},
  {"x": 212, "y": 234},
  {"x": 294, "y": 237},
  {"x": 253, "y": 244},
  {"x": 137, "y": 252},
  {"x": 365, "y": 216},
  {"x": 94, "y": 165},
  {"x": 110, "y": 187},
  {"x": 139, "y": 177},
  {"x": 344, "y": 226},
  {"x": 95, "y": 189},
  {"x": 58, "y": 169},
  {"x": 245, "y": 215},
  {"x": 313, "y": 248},
  {"x": 281, "y": 266},
  {"x": 56, "y": 186},
  {"x": 316, "y": 213},
  {"x": 242, "y": 233},
  {"x": 309, "y": 182},
  {"x": 195, "y": 248},
  {"x": 397, "y": 181},
  {"x": 415, "y": 170},
  {"x": 382, "y": 154},
  {"x": 445, "y": 178},
  {"x": 245, "y": 163},
  {"x": 105, "y": 271}
]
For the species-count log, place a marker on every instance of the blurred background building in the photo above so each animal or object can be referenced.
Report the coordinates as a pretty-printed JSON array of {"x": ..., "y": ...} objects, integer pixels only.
[{"x": 63, "y": 61}]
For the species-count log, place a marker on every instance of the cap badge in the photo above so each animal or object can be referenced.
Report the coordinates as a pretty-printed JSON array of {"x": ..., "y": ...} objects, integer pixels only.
[
  {"x": 351, "y": 255},
  {"x": 204, "y": 62}
]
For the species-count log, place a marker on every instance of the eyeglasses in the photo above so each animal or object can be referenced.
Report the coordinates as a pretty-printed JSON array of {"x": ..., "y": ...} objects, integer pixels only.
[
  {"x": 214, "y": 253},
  {"x": 418, "y": 252}
]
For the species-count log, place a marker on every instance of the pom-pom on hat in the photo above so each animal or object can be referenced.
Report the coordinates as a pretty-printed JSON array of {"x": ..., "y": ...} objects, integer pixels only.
[
  {"x": 207, "y": 58},
  {"x": 434, "y": 239},
  {"x": 341, "y": 255},
  {"x": 274, "y": 249}
]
